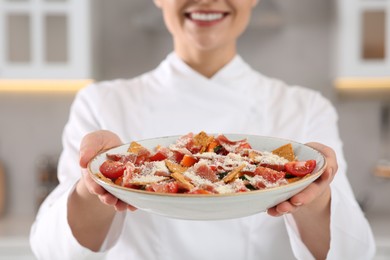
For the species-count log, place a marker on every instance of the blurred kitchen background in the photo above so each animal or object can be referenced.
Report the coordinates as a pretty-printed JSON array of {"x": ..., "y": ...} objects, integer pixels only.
[{"x": 51, "y": 48}]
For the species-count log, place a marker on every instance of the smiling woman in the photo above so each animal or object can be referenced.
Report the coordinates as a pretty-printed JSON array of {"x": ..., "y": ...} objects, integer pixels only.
[{"x": 203, "y": 85}]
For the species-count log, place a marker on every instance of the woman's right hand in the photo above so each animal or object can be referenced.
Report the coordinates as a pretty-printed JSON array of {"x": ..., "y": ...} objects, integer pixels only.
[{"x": 91, "y": 145}]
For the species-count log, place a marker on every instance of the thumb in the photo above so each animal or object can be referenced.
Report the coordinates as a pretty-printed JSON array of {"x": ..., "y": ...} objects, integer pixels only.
[{"x": 96, "y": 142}]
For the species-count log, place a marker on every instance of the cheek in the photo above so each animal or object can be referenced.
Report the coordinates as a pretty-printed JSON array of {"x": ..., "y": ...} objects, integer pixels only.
[
  {"x": 241, "y": 23},
  {"x": 172, "y": 22}
]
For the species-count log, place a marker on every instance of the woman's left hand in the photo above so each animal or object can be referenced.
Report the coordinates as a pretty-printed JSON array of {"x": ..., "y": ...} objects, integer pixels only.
[{"x": 318, "y": 191}]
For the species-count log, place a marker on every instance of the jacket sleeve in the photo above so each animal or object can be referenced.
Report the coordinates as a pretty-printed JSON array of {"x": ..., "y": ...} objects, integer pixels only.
[
  {"x": 351, "y": 235},
  {"x": 50, "y": 235}
]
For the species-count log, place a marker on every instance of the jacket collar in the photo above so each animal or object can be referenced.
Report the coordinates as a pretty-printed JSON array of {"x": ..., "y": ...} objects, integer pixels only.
[{"x": 232, "y": 71}]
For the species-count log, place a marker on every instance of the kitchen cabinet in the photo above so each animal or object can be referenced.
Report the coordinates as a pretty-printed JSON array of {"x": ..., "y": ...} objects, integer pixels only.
[
  {"x": 363, "y": 58},
  {"x": 45, "y": 39}
]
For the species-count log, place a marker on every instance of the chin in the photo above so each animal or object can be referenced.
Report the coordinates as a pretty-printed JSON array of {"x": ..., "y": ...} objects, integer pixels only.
[{"x": 208, "y": 43}]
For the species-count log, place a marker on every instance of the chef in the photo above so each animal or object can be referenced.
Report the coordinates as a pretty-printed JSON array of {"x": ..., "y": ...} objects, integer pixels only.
[{"x": 203, "y": 85}]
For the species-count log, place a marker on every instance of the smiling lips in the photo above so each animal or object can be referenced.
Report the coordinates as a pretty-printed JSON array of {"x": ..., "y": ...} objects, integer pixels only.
[{"x": 203, "y": 18}]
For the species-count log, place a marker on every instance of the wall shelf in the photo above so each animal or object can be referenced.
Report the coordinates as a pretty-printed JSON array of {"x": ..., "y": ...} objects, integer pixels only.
[
  {"x": 43, "y": 86},
  {"x": 378, "y": 88}
]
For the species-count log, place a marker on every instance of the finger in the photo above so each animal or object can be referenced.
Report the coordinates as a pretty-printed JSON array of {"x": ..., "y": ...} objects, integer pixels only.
[
  {"x": 96, "y": 142},
  {"x": 304, "y": 197},
  {"x": 131, "y": 208},
  {"x": 314, "y": 190},
  {"x": 104, "y": 196},
  {"x": 282, "y": 208},
  {"x": 121, "y": 206},
  {"x": 108, "y": 199},
  {"x": 91, "y": 185},
  {"x": 273, "y": 212}
]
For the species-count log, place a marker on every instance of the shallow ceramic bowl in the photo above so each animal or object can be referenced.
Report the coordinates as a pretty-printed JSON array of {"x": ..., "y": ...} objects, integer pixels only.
[{"x": 215, "y": 206}]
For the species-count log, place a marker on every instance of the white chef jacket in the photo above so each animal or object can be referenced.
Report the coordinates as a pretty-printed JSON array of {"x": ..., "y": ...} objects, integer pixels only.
[{"x": 174, "y": 99}]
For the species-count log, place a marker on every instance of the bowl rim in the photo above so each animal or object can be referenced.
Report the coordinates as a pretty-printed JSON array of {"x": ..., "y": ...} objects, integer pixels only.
[{"x": 311, "y": 176}]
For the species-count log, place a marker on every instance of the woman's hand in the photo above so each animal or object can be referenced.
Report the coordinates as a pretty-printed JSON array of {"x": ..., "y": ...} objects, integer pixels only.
[
  {"x": 311, "y": 207},
  {"x": 91, "y": 145},
  {"x": 317, "y": 194}
]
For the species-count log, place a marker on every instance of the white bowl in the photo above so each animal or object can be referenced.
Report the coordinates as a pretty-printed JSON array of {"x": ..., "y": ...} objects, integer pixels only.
[{"x": 212, "y": 206}]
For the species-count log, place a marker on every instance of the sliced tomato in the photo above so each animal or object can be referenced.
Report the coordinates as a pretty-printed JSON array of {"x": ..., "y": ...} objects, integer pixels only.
[
  {"x": 158, "y": 156},
  {"x": 214, "y": 168},
  {"x": 300, "y": 168},
  {"x": 177, "y": 156},
  {"x": 112, "y": 169}
]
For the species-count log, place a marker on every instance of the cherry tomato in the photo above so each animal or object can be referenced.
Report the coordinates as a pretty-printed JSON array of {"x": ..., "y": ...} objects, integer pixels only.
[
  {"x": 158, "y": 156},
  {"x": 112, "y": 169},
  {"x": 300, "y": 168}
]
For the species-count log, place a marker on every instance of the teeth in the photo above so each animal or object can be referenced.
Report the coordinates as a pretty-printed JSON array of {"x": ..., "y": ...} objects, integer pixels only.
[{"x": 206, "y": 17}]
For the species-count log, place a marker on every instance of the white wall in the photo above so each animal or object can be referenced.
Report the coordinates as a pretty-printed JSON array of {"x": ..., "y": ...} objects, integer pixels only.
[{"x": 31, "y": 127}]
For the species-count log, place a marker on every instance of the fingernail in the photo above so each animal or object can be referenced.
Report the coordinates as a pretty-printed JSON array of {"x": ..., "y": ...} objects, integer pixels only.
[{"x": 297, "y": 203}]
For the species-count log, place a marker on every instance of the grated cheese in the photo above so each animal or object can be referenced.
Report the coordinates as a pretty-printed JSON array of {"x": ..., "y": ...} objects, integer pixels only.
[
  {"x": 196, "y": 179},
  {"x": 212, "y": 172},
  {"x": 147, "y": 179},
  {"x": 270, "y": 158}
]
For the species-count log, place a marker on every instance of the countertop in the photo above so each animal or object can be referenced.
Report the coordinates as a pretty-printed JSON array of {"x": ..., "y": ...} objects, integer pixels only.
[{"x": 378, "y": 88}]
